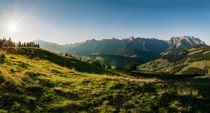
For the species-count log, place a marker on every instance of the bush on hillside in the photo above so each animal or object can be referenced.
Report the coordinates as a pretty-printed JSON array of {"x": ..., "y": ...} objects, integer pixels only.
[
  {"x": 194, "y": 71},
  {"x": 177, "y": 68},
  {"x": 2, "y": 58}
]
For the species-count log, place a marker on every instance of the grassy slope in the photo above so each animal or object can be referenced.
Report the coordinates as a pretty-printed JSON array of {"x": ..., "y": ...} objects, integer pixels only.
[
  {"x": 70, "y": 62},
  {"x": 35, "y": 85},
  {"x": 195, "y": 59}
]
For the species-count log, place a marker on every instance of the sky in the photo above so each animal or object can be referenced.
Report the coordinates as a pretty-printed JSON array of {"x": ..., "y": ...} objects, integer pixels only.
[{"x": 71, "y": 21}]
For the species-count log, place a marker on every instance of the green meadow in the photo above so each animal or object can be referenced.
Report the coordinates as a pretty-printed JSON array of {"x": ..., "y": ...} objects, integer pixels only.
[{"x": 38, "y": 85}]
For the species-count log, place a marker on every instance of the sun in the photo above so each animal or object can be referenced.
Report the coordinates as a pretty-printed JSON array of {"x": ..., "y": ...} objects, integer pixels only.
[{"x": 12, "y": 27}]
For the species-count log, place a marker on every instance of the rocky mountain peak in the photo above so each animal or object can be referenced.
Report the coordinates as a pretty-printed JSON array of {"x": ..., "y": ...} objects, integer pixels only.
[{"x": 185, "y": 41}]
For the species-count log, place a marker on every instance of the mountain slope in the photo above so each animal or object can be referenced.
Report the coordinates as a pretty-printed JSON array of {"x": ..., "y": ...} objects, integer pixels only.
[
  {"x": 195, "y": 60},
  {"x": 40, "y": 86}
]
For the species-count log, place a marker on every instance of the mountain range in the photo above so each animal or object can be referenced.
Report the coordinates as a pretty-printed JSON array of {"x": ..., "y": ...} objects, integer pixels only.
[{"x": 140, "y": 50}]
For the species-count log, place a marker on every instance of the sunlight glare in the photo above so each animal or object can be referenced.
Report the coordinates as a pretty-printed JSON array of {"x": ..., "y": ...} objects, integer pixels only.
[{"x": 12, "y": 27}]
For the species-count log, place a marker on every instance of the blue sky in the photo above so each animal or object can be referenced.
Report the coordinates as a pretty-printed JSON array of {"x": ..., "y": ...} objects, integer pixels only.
[{"x": 70, "y": 21}]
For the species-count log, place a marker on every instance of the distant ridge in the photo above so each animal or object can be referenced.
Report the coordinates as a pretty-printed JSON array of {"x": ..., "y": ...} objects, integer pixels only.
[
  {"x": 125, "y": 47},
  {"x": 50, "y": 46},
  {"x": 131, "y": 43}
]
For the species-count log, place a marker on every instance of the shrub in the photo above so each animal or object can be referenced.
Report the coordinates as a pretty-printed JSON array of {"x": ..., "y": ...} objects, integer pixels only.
[
  {"x": 2, "y": 58},
  {"x": 1, "y": 79},
  {"x": 194, "y": 71},
  {"x": 12, "y": 70}
]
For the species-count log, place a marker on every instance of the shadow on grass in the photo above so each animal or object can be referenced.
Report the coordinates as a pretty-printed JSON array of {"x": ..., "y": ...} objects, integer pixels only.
[
  {"x": 162, "y": 76},
  {"x": 67, "y": 95},
  {"x": 173, "y": 102}
]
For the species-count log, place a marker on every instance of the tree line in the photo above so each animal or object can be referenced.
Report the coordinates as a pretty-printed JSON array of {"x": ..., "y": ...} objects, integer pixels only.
[
  {"x": 5, "y": 43},
  {"x": 27, "y": 44}
]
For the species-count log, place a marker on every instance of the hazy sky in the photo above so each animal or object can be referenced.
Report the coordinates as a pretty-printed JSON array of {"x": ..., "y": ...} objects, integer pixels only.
[{"x": 69, "y": 21}]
